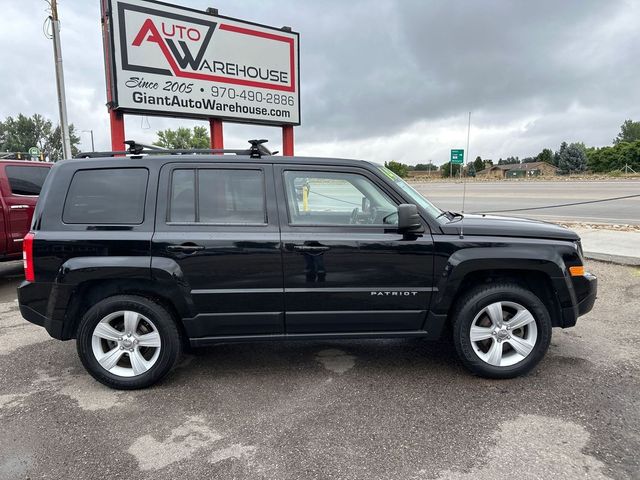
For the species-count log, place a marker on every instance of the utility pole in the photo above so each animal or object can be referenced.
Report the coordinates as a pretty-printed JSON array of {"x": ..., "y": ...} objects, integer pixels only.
[
  {"x": 62, "y": 101},
  {"x": 464, "y": 183},
  {"x": 93, "y": 148}
]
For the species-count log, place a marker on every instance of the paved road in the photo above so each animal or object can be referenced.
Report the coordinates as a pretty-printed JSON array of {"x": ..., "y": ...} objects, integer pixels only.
[
  {"x": 485, "y": 196},
  {"x": 401, "y": 409}
]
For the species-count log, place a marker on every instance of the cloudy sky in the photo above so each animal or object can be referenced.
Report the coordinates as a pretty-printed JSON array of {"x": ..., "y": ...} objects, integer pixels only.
[{"x": 381, "y": 80}]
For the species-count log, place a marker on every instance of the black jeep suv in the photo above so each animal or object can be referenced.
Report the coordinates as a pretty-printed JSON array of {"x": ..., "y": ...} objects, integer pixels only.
[{"x": 137, "y": 257}]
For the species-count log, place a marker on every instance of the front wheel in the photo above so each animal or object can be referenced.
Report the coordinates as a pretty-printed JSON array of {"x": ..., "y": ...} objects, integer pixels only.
[
  {"x": 501, "y": 330},
  {"x": 128, "y": 342}
]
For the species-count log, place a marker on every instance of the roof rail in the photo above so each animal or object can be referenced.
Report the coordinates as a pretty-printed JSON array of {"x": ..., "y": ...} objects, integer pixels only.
[{"x": 136, "y": 149}]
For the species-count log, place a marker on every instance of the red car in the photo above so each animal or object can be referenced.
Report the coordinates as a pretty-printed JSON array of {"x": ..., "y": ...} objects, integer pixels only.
[{"x": 20, "y": 184}]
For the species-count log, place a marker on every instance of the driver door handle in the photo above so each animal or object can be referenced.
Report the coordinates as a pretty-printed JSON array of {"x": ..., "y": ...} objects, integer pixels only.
[
  {"x": 186, "y": 248},
  {"x": 310, "y": 248}
]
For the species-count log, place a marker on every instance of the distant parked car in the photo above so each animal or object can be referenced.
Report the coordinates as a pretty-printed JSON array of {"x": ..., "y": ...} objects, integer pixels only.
[{"x": 20, "y": 184}]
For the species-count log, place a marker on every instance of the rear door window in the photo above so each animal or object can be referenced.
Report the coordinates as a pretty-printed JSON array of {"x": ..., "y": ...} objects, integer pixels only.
[
  {"x": 107, "y": 196},
  {"x": 26, "y": 180},
  {"x": 218, "y": 196},
  {"x": 183, "y": 196}
]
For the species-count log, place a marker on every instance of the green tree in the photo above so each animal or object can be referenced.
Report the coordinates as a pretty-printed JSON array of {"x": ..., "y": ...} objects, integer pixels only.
[
  {"x": 425, "y": 167},
  {"x": 21, "y": 133},
  {"x": 446, "y": 169},
  {"x": 609, "y": 159},
  {"x": 509, "y": 161},
  {"x": 54, "y": 147},
  {"x": 398, "y": 168},
  {"x": 183, "y": 138},
  {"x": 573, "y": 159},
  {"x": 471, "y": 169},
  {"x": 546, "y": 155},
  {"x": 556, "y": 156},
  {"x": 629, "y": 132},
  {"x": 478, "y": 164}
]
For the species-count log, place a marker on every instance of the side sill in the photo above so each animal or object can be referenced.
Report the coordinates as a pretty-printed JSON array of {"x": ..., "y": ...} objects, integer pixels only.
[{"x": 204, "y": 341}]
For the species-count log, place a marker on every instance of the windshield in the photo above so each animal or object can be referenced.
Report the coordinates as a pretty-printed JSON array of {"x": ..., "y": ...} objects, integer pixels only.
[{"x": 409, "y": 190}]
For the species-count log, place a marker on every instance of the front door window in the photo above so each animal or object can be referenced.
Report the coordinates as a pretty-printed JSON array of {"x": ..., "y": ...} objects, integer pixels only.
[{"x": 336, "y": 198}]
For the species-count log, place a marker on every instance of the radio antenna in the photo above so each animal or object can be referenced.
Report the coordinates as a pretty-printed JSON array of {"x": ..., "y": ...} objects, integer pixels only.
[{"x": 464, "y": 179}]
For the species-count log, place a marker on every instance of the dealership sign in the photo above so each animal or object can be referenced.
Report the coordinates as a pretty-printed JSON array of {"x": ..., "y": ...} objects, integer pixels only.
[{"x": 174, "y": 61}]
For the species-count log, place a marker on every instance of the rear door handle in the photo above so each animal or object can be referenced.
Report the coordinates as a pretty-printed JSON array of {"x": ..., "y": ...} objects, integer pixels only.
[
  {"x": 186, "y": 248},
  {"x": 18, "y": 207},
  {"x": 310, "y": 248}
]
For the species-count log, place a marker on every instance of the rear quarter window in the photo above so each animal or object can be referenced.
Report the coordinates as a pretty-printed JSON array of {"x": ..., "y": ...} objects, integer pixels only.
[
  {"x": 25, "y": 180},
  {"x": 107, "y": 196}
]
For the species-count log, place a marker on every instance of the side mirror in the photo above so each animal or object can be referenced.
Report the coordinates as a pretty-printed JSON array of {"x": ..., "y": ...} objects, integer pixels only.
[{"x": 409, "y": 219}]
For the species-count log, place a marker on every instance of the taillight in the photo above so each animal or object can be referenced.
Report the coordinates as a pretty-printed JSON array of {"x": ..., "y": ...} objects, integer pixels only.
[{"x": 27, "y": 257}]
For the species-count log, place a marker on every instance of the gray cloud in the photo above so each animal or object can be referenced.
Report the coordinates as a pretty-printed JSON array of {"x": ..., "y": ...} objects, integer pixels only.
[{"x": 383, "y": 79}]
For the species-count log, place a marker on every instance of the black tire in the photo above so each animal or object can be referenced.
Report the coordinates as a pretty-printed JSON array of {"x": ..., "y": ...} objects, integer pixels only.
[
  {"x": 163, "y": 321},
  {"x": 472, "y": 302}
]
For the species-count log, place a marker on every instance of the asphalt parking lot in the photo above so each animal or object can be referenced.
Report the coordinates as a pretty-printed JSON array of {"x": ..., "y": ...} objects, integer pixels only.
[{"x": 401, "y": 409}]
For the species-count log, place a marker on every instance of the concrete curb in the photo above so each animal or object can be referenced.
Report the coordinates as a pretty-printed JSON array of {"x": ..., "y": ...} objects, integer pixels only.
[{"x": 617, "y": 259}]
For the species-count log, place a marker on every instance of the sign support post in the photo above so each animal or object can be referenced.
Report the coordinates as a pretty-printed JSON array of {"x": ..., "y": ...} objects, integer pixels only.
[
  {"x": 287, "y": 140},
  {"x": 116, "y": 119},
  {"x": 216, "y": 132}
]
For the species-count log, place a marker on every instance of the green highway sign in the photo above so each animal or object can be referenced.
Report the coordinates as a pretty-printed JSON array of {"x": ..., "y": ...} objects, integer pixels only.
[{"x": 457, "y": 156}]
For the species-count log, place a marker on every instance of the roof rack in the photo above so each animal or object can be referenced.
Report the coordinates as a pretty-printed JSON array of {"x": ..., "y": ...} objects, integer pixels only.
[{"x": 136, "y": 149}]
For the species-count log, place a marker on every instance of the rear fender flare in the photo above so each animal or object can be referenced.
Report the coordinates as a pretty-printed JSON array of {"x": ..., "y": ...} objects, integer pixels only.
[
  {"x": 77, "y": 276},
  {"x": 80, "y": 269}
]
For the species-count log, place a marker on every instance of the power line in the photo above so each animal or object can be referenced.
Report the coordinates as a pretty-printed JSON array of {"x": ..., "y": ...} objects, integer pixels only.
[{"x": 560, "y": 205}]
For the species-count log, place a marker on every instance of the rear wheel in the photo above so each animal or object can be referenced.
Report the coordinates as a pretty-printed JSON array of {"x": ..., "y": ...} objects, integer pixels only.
[
  {"x": 501, "y": 330},
  {"x": 128, "y": 342}
]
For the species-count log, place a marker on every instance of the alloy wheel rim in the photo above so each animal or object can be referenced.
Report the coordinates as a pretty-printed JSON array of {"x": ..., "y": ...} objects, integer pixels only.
[
  {"x": 503, "y": 334},
  {"x": 126, "y": 343}
]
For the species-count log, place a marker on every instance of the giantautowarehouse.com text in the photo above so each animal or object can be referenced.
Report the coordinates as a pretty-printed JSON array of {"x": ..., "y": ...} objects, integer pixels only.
[{"x": 207, "y": 103}]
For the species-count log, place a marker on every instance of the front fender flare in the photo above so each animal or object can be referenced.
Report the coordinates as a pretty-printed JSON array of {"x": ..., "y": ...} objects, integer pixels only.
[{"x": 544, "y": 259}]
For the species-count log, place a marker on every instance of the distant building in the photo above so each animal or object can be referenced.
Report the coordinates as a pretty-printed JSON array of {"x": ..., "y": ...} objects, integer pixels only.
[
  {"x": 496, "y": 171},
  {"x": 518, "y": 170},
  {"x": 531, "y": 169}
]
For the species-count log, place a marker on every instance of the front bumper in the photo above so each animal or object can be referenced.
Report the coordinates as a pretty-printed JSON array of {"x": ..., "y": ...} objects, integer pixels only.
[
  {"x": 586, "y": 292},
  {"x": 588, "y": 298}
]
